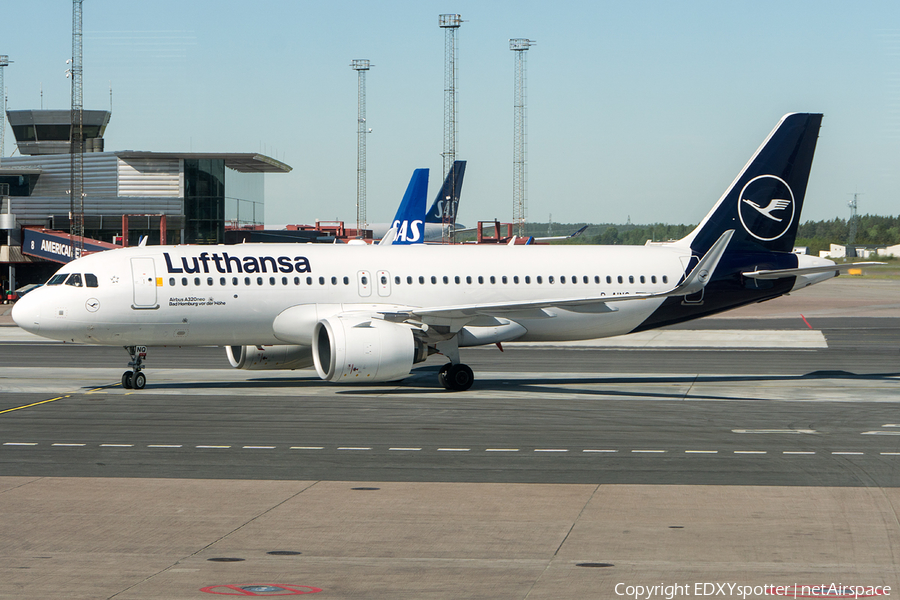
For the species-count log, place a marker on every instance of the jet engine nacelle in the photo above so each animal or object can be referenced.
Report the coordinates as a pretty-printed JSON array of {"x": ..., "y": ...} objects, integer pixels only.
[
  {"x": 265, "y": 358},
  {"x": 353, "y": 349}
]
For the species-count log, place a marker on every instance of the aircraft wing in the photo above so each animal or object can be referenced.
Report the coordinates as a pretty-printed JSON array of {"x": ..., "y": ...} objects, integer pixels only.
[
  {"x": 695, "y": 281},
  {"x": 561, "y": 237},
  {"x": 779, "y": 273}
]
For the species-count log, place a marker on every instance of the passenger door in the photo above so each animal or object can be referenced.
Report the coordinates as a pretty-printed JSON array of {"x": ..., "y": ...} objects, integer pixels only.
[{"x": 143, "y": 275}]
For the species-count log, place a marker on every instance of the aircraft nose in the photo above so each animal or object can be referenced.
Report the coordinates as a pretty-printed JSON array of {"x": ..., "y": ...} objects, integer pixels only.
[{"x": 27, "y": 314}]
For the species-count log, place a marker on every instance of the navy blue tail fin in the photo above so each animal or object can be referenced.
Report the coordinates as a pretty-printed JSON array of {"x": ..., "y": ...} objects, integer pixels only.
[
  {"x": 410, "y": 218},
  {"x": 447, "y": 201},
  {"x": 763, "y": 203}
]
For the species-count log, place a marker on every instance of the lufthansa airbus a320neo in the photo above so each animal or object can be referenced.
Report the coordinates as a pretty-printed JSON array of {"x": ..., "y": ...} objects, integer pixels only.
[{"x": 363, "y": 314}]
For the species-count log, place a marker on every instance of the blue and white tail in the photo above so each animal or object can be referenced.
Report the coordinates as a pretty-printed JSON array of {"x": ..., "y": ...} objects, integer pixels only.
[
  {"x": 763, "y": 203},
  {"x": 409, "y": 222},
  {"x": 447, "y": 201}
]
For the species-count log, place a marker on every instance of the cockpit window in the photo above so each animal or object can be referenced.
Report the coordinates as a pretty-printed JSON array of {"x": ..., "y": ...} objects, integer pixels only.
[
  {"x": 74, "y": 280},
  {"x": 90, "y": 280},
  {"x": 57, "y": 279}
]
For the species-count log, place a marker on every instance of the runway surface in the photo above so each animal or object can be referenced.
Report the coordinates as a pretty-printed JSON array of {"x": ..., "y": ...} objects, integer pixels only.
[{"x": 712, "y": 462}]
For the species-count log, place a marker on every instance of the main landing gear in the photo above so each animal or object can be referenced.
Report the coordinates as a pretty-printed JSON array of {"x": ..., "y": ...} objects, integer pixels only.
[
  {"x": 134, "y": 379},
  {"x": 454, "y": 375},
  {"x": 457, "y": 378}
]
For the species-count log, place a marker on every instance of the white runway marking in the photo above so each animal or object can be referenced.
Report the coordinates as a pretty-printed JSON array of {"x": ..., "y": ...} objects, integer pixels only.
[{"x": 808, "y": 431}]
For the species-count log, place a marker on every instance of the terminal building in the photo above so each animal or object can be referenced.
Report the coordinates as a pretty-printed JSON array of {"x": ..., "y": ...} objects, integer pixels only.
[{"x": 185, "y": 197}]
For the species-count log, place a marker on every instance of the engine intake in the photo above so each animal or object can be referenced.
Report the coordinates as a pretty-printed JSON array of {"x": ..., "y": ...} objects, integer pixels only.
[{"x": 364, "y": 350}]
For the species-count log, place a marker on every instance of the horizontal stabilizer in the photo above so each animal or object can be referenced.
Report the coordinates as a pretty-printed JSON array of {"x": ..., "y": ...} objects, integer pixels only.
[{"x": 781, "y": 273}]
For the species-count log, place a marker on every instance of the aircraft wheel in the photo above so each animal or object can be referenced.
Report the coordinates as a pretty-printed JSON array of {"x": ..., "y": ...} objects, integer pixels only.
[
  {"x": 442, "y": 375},
  {"x": 139, "y": 381},
  {"x": 459, "y": 378},
  {"x": 126, "y": 379}
]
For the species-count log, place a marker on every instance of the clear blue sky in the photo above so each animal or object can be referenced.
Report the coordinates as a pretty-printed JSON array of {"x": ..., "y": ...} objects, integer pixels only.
[{"x": 640, "y": 109}]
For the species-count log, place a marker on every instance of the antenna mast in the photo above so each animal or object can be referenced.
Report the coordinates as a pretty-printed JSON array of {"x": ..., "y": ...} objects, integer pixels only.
[
  {"x": 520, "y": 184},
  {"x": 76, "y": 146},
  {"x": 450, "y": 24},
  {"x": 4, "y": 62},
  {"x": 361, "y": 66},
  {"x": 853, "y": 220}
]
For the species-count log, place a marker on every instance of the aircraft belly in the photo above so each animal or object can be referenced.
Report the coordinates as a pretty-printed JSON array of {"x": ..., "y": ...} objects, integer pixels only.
[{"x": 567, "y": 325}]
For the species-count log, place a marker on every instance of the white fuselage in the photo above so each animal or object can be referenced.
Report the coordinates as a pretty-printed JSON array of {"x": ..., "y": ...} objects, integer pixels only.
[{"x": 231, "y": 295}]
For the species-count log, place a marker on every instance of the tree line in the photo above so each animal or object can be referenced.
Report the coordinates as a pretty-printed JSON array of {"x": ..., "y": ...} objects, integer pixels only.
[{"x": 871, "y": 230}]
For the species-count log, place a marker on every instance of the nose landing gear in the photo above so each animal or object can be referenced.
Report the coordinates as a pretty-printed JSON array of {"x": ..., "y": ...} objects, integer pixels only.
[{"x": 134, "y": 379}]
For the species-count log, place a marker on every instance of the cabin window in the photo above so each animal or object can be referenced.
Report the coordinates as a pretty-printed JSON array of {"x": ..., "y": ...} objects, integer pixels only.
[
  {"x": 197, "y": 281},
  {"x": 397, "y": 279},
  {"x": 585, "y": 279},
  {"x": 562, "y": 279},
  {"x": 608, "y": 279},
  {"x": 57, "y": 279},
  {"x": 90, "y": 280},
  {"x": 468, "y": 279},
  {"x": 446, "y": 279},
  {"x": 503, "y": 279},
  {"x": 596, "y": 279},
  {"x": 309, "y": 281},
  {"x": 631, "y": 279},
  {"x": 653, "y": 279},
  {"x": 456, "y": 279},
  {"x": 184, "y": 281},
  {"x": 172, "y": 281},
  {"x": 619, "y": 278},
  {"x": 480, "y": 279},
  {"x": 259, "y": 281},
  {"x": 528, "y": 279},
  {"x": 493, "y": 279},
  {"x": 550, "y": 279},
  {"x": 665, "y": 279},
  {"x": 539, "y": 279},
  {"x": 384, "y": 280},
  {"x": 271, "y": 281},
  {"x": 296, "y": 281},
  {"x": 642, "y": 279},
  {"x": 209, "y": 281},
  {"x": 74, "y": 280},
  {"x": 334, "y": 281},
  {"x": 515, "y": 279},
  {"x": 421, "y": 279},
  {"x": 322, "y": 281},
  {"x": 409, "y": 279},
  {"x": 433, "y": 279}
]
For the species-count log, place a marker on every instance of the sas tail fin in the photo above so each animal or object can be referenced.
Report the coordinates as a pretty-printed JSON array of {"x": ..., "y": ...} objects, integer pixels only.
[
  {"x": 763, "y": 203},
  {"x": 447, "y": 201},
  {"x": 409, "y": 222}
]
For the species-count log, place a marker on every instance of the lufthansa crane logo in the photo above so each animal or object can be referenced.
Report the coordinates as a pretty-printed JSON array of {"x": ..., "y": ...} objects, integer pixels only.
[{"x": 766, "y": 207}]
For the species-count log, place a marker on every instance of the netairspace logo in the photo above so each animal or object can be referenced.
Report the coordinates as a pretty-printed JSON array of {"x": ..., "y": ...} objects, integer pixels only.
[{"x": 699, "y": 590}]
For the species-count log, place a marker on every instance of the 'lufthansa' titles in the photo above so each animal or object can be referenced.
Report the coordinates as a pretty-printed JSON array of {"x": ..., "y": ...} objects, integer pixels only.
[{"x": 206, "y": 263}]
